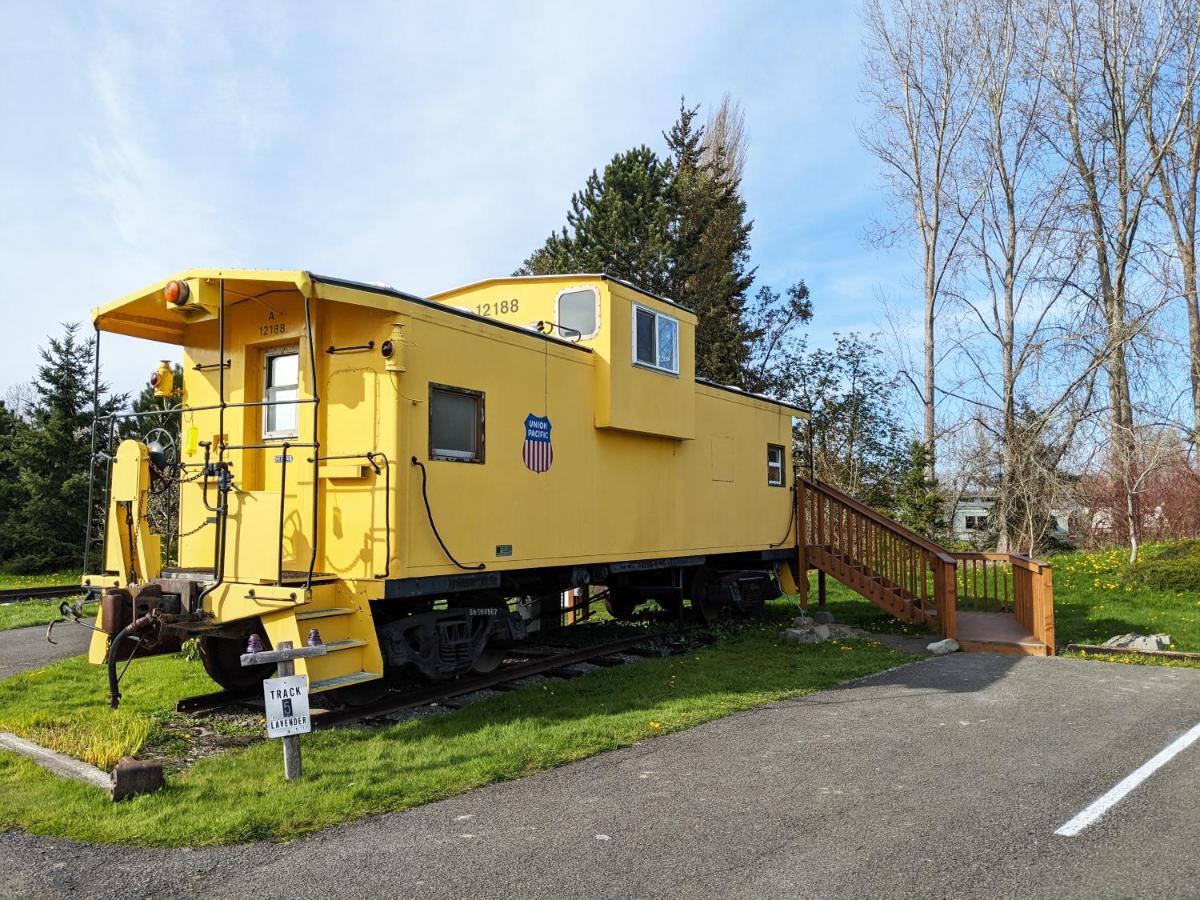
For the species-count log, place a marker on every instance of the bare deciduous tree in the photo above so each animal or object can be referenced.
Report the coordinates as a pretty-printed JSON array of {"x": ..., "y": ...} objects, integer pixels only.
[
  {"x": 918, "y": 79},
  {"x": 1105, "y": 58}
]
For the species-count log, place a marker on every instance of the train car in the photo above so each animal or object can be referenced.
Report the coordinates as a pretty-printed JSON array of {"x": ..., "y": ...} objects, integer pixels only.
[{"x": 406, "y": 478}]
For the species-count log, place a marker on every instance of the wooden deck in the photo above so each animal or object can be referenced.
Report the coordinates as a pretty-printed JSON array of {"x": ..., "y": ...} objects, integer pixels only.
[{"x": 996, "y": 632}]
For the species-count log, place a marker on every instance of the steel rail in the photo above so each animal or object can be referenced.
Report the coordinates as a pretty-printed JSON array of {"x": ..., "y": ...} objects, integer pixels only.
[
  {"x": 437, "y": 692},
  {"x": 52, "y": 592}
]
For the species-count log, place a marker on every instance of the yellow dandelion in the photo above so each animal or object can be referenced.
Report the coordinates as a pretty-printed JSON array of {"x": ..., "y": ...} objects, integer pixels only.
[{"x": 656, "y": 725}]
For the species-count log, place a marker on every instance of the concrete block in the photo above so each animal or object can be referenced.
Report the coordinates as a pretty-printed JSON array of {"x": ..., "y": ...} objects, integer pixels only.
[
  {"x": 135, "y": 776},
  {"x": 823, "y": 617},
  {"x": 804, "y": 623},
  {"x": 822, "y": 632}
]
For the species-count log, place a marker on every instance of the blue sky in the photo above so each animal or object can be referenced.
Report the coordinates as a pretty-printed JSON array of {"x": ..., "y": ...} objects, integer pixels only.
[{"x": 401, "y": 142}]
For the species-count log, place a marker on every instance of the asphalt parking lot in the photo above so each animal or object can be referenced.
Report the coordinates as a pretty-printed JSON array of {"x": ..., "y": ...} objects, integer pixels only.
[{"x": 944, "y": 778}]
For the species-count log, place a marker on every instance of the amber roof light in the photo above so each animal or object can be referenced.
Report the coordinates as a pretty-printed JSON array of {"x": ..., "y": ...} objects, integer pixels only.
[{"x": 176, "y": 292}]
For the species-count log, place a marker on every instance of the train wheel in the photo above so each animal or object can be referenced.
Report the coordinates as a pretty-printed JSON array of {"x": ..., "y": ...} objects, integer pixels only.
[
  {"x": 222, "y": 658},
  {"x": 705, "y": 602},
  {"x": 488, "y": 660},
  {"x": 621, "y": 602}
]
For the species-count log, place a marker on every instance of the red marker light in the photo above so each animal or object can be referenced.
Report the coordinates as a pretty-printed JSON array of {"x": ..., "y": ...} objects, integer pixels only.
[
  {"x": 154, "y": 380},
  {"x": 176, "y": 292}
]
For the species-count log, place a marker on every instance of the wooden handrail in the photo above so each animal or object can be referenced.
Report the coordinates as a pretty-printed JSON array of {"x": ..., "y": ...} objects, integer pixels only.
[
  {"x": 1034, "y": 565},
  {"x": 890, "y": 524}
]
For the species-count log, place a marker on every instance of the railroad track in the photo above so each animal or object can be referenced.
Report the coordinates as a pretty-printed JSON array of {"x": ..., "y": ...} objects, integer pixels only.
[
  {"x": 57, "y": 592},
  {"x": 435, "y": 693}
]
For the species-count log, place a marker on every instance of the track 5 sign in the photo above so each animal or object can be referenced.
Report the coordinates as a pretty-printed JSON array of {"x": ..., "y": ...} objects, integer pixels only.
[{"x": 286, "y": 700}]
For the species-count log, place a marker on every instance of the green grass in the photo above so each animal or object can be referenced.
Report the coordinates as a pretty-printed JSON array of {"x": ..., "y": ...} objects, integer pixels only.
[
  {"x": 849, "y": 608},
  {"x": 1098, "y": 595},
  {"x": 350, "y": 773},
  {"x": 64, "y": 705},
  {"x": 53, "y": 578},
  {"x": 23, "y": 613}
]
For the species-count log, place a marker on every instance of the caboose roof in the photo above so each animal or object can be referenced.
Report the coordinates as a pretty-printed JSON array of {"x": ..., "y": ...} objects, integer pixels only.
[{"x": 564, "y": 279}]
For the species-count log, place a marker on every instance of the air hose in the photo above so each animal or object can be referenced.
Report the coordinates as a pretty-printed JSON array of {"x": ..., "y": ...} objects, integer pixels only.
[{"x": 429, "y": 512}]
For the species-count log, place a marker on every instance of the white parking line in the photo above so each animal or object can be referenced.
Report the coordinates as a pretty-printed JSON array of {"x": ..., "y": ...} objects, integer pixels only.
[{"x": 1102, "y": 804}]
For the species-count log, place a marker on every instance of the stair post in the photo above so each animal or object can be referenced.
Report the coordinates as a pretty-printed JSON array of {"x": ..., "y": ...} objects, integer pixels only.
[
  {"x": 801, "y": 543},
  {"x": 945, "y": 592}
]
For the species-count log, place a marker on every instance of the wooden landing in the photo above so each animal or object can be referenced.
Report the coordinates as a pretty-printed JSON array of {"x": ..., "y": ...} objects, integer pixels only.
[{"x": 996, "y": 633}]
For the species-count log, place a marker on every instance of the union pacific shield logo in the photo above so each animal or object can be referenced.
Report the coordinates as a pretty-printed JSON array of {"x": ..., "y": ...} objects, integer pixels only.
[{"x": 537, "y": 452}]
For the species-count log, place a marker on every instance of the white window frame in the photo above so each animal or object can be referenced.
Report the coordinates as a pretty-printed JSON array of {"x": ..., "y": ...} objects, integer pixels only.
[
  {"x": 634, "y": 340},
  {"x": 268, "y": 355},
  {"x": 770, "y": 465},
  {"x": 569, "y": 334},
  {"x": 444, "y": 455}
]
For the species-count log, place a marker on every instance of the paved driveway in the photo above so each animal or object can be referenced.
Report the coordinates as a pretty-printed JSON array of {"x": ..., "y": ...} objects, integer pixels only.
[
  {"x": 944, "y": 778},
  {"x": 22, "y": 649}
]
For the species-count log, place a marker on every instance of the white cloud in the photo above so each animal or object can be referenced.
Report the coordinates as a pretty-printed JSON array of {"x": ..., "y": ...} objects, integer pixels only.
[{"x": 404, "y": 143}]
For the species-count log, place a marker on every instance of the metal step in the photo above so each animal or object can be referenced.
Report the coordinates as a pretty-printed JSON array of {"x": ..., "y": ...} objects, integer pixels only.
[
  {"x": 323, "y": 613},
  {"x": 340, "y": 681},
  {"x": 335, "y": 646}
]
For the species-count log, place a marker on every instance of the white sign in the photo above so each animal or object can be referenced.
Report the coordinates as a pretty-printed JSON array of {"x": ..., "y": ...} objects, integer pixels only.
[{"x": 287, "y": 706}]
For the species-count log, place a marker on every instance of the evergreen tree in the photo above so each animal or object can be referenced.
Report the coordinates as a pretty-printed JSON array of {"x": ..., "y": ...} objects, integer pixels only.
[
  {"x": 9, "y": 425},
  {"x": 618, "y": 224},
  {"x": 710, "y": 249},
  {"x": 49, "y": 456},
  {"x": 918, "y": 500},
  {"x": 675, "y": 227}
]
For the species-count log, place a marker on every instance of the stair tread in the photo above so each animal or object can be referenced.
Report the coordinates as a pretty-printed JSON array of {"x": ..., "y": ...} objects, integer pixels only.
[
  {"x": 337, "y": 681},
  {"x": 346, "y": 644},
  {"x": 324, "y": 612}
]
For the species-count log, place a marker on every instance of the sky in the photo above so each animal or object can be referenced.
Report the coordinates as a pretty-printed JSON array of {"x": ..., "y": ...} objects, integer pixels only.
[{"x": 422, "y": 145}]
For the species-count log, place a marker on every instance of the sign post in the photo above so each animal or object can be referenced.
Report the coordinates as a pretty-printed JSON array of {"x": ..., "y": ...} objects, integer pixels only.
[{"x": 286, "y": 695}]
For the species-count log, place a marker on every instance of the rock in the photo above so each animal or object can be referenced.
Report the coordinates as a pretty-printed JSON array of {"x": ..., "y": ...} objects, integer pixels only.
[
  {"x": 804, "y": 623},
  {"x": 941, "y": 648},
  {"x": 135, "y": 776},
  {"x": 823, "y": 617},
  {"x": 822, "y": 632},
  {"x": 1134, "y": 641},
  {"x": 797, "y": 636}
]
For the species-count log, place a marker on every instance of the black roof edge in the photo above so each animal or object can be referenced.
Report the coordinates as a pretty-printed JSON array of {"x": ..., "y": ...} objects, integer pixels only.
[
  {"x": 453, "y": 310},
  {"x": 604, "y": 276},
  {"x": 741, "y": 393}
]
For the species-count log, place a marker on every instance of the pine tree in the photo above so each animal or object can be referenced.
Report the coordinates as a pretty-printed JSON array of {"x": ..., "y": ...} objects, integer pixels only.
[
  {"x": 618, "y": 224},
  {"x": 49, "y": 456},
  {"x": 918, "y": 500},
  {"x": 711, "y": 249},
  {"x": 675, "y": 227}
]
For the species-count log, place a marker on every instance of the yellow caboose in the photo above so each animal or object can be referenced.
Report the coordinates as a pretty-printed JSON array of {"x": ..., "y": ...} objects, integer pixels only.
[{"x": 409, "y": 475}]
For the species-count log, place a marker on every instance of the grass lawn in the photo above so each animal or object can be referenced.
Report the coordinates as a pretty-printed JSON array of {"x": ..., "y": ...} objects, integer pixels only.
[
  {"x": 20, "y": 614},
  {"x": 34, "y": 612},
  {"x": 48, "y": 580},
  {"x": 349, "y": 773},
  {"x": 1098, "y": 595}
]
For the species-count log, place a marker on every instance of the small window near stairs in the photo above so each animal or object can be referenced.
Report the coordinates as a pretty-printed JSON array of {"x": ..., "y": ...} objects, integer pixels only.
[{"x": 775, "y": 465}]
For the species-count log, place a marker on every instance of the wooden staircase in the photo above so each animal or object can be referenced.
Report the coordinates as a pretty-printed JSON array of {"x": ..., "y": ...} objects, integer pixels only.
[{"x": 1006, "y": 600}]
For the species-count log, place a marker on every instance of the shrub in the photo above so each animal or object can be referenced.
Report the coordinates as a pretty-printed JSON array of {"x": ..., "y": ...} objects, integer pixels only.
[{"x": 1174, "y": 567}]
